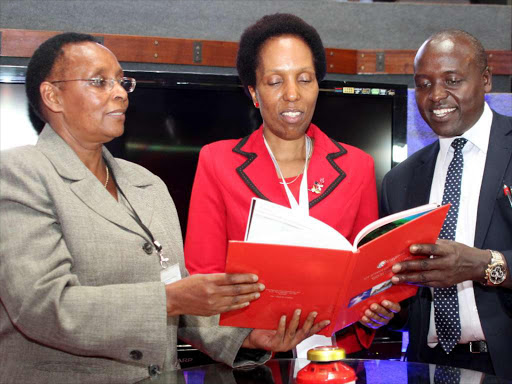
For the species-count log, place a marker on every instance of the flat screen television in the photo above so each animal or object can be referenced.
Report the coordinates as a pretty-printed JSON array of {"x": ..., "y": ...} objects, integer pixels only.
[{"x": 172, "y": 115}]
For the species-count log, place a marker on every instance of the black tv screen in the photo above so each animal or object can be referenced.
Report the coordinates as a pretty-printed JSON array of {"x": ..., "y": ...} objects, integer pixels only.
[{"x": 172, "y": 115}]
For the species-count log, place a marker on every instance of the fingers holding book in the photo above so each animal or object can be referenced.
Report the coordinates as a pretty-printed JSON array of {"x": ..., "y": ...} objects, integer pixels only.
[
  {"x": 285, "y": 337},
  {"x": 379, "y": 315}
]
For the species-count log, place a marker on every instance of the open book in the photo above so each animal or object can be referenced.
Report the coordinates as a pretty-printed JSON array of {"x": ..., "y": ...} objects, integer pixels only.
[{"x": 306, "y": 264}]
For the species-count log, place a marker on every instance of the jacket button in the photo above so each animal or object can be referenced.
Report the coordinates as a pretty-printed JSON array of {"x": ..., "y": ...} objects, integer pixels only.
[
  {"x": 154, "y": 370},
  {"x": 148, "y": 248},
  {"x": 136, "y": 354}
]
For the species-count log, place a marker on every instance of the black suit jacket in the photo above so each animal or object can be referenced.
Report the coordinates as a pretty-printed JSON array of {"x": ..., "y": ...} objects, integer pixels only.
[{"x": 408, "y": 185}]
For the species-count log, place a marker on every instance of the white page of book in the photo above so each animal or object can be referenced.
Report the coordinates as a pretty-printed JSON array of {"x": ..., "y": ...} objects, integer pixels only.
[{"x": 271, "y": 223}]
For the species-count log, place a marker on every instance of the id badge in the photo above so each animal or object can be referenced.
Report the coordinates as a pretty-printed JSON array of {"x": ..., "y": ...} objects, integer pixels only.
[{"x": 170, "y": 274}]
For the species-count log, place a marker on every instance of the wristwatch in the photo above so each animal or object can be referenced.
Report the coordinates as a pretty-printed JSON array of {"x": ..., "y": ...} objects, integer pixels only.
[{"x": 496, "y": 272}]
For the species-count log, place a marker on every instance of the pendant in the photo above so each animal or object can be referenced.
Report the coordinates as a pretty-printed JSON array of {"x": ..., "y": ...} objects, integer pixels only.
[
  {"x": 317, "y": 186},
  {"x": 163, "y": 259}
]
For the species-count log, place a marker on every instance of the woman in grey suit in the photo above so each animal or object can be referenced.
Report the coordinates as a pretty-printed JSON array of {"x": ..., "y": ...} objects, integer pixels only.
[{"x": 93, "y": 284}]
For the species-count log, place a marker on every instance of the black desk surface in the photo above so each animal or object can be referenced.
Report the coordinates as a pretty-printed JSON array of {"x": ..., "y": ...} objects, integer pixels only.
[{"x": 284, "y": 371}]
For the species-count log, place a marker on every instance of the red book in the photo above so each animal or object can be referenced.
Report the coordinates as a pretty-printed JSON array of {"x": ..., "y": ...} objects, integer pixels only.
[{"x": 338, "y": 284}]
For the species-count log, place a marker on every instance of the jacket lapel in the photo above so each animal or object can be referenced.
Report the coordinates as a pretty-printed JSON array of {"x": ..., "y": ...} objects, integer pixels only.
[
  {"x": 89, "y": 191},
  {"x": 257, "y": 166},
  {"x": 134, "y": 186},
  {"x": 498, "y": 159},
  {"x": 324, "y": 163},
  {"x": 85, "y": 185},
  {"x": 257, "y": 173},
  {"x": 418, "y": 190}
]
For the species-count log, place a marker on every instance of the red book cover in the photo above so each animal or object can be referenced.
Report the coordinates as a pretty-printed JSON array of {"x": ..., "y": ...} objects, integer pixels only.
[{"x": 338, "y": 284}]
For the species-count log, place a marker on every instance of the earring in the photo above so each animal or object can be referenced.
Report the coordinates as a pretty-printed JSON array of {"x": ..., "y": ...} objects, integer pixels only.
[{"x": 257, "y": 105}]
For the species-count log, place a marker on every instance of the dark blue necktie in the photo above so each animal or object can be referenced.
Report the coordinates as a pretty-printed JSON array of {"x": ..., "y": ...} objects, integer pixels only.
[
  {"x": 446, "y": 375},
  {"x": 446, "y": 302}
]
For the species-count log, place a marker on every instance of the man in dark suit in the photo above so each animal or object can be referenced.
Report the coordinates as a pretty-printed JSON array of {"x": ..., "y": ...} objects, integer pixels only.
[{"x": 452, "y": 77}]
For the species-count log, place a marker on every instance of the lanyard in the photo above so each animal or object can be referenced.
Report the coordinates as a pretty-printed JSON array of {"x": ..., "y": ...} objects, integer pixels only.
[
  {"x": 158, "y": 246},
  {"x": 303, "y": 205}
]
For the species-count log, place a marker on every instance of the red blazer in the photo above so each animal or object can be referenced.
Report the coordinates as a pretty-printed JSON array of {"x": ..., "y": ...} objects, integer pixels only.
[{"x": 231, "y": 172}]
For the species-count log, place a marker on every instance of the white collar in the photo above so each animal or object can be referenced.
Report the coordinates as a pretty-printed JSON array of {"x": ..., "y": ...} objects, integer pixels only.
[{"x": 478, "y": 135}]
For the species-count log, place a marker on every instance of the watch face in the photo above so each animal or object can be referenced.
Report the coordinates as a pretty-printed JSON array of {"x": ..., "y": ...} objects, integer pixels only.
[{"x": 497, "y": 275}]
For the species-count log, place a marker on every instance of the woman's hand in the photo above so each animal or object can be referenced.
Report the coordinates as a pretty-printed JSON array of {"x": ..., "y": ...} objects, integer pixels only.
[
  {"x": 211, "y": 294},
  {"x": 379, "y": 314},
  {"x": 284, "y": 339}
]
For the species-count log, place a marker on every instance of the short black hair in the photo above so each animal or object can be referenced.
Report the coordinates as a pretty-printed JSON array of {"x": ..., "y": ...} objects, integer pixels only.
[
  {"x": 279, "y": 24},
  {"x": 480, "y": 55},
  {"x": 41, "y": 65}
]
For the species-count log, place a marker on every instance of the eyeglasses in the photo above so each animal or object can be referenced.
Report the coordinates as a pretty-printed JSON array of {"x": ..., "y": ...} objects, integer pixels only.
[{"x": 128, "y": 83}]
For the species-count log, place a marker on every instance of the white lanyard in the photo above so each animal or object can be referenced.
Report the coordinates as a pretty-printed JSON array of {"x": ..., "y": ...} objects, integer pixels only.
[{"x": 303, "y": 205}]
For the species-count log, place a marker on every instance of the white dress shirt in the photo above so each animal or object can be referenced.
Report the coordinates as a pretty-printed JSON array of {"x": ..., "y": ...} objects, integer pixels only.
[{"x": 474, "y": 153}]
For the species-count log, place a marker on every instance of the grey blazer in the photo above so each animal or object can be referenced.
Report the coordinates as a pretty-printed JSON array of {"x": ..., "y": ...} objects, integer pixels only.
[{"x": 81, "y": 300}]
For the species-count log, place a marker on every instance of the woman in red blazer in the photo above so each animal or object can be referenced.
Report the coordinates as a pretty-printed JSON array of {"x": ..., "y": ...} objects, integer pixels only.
[{"x": 280, "y": 61}]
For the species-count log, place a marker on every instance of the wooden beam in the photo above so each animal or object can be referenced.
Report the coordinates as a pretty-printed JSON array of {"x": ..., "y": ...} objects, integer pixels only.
[
  {"x": 143, "y": 49},
  {"x": 394, "y": 61},
  {"x": 341, "y": 60},
  {"x": 172, "y": 51},
  {"x": 22, "y": 43},
  {"x": 400, "y": 62},
  {"x": 154, "y": 49},
  {"x": 500, "y": 62}
]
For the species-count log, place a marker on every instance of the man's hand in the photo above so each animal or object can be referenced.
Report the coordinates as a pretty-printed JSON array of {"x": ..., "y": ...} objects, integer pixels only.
[
  {"x": 452, "y": 263},
  {"x": 211, "y": 294},
  {"x": 378, "y": 315},
  {"x": 284, "y": 339}
]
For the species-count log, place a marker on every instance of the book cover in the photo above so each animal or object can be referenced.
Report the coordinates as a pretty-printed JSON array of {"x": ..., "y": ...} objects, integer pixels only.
[{"x": 339, "y": 284}]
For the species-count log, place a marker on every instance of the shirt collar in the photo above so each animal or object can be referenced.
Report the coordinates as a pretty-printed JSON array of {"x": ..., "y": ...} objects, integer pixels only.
[{"x": 477, "y": 135}]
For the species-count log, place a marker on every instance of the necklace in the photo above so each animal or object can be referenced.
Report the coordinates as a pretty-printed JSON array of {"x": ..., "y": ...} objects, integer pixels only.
[
  {"x": 106, "y": 181},
  {"x": 291, "y": 182},
  {"x": 299, "y": 205},
  {"x": 308, "y": 156}
]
